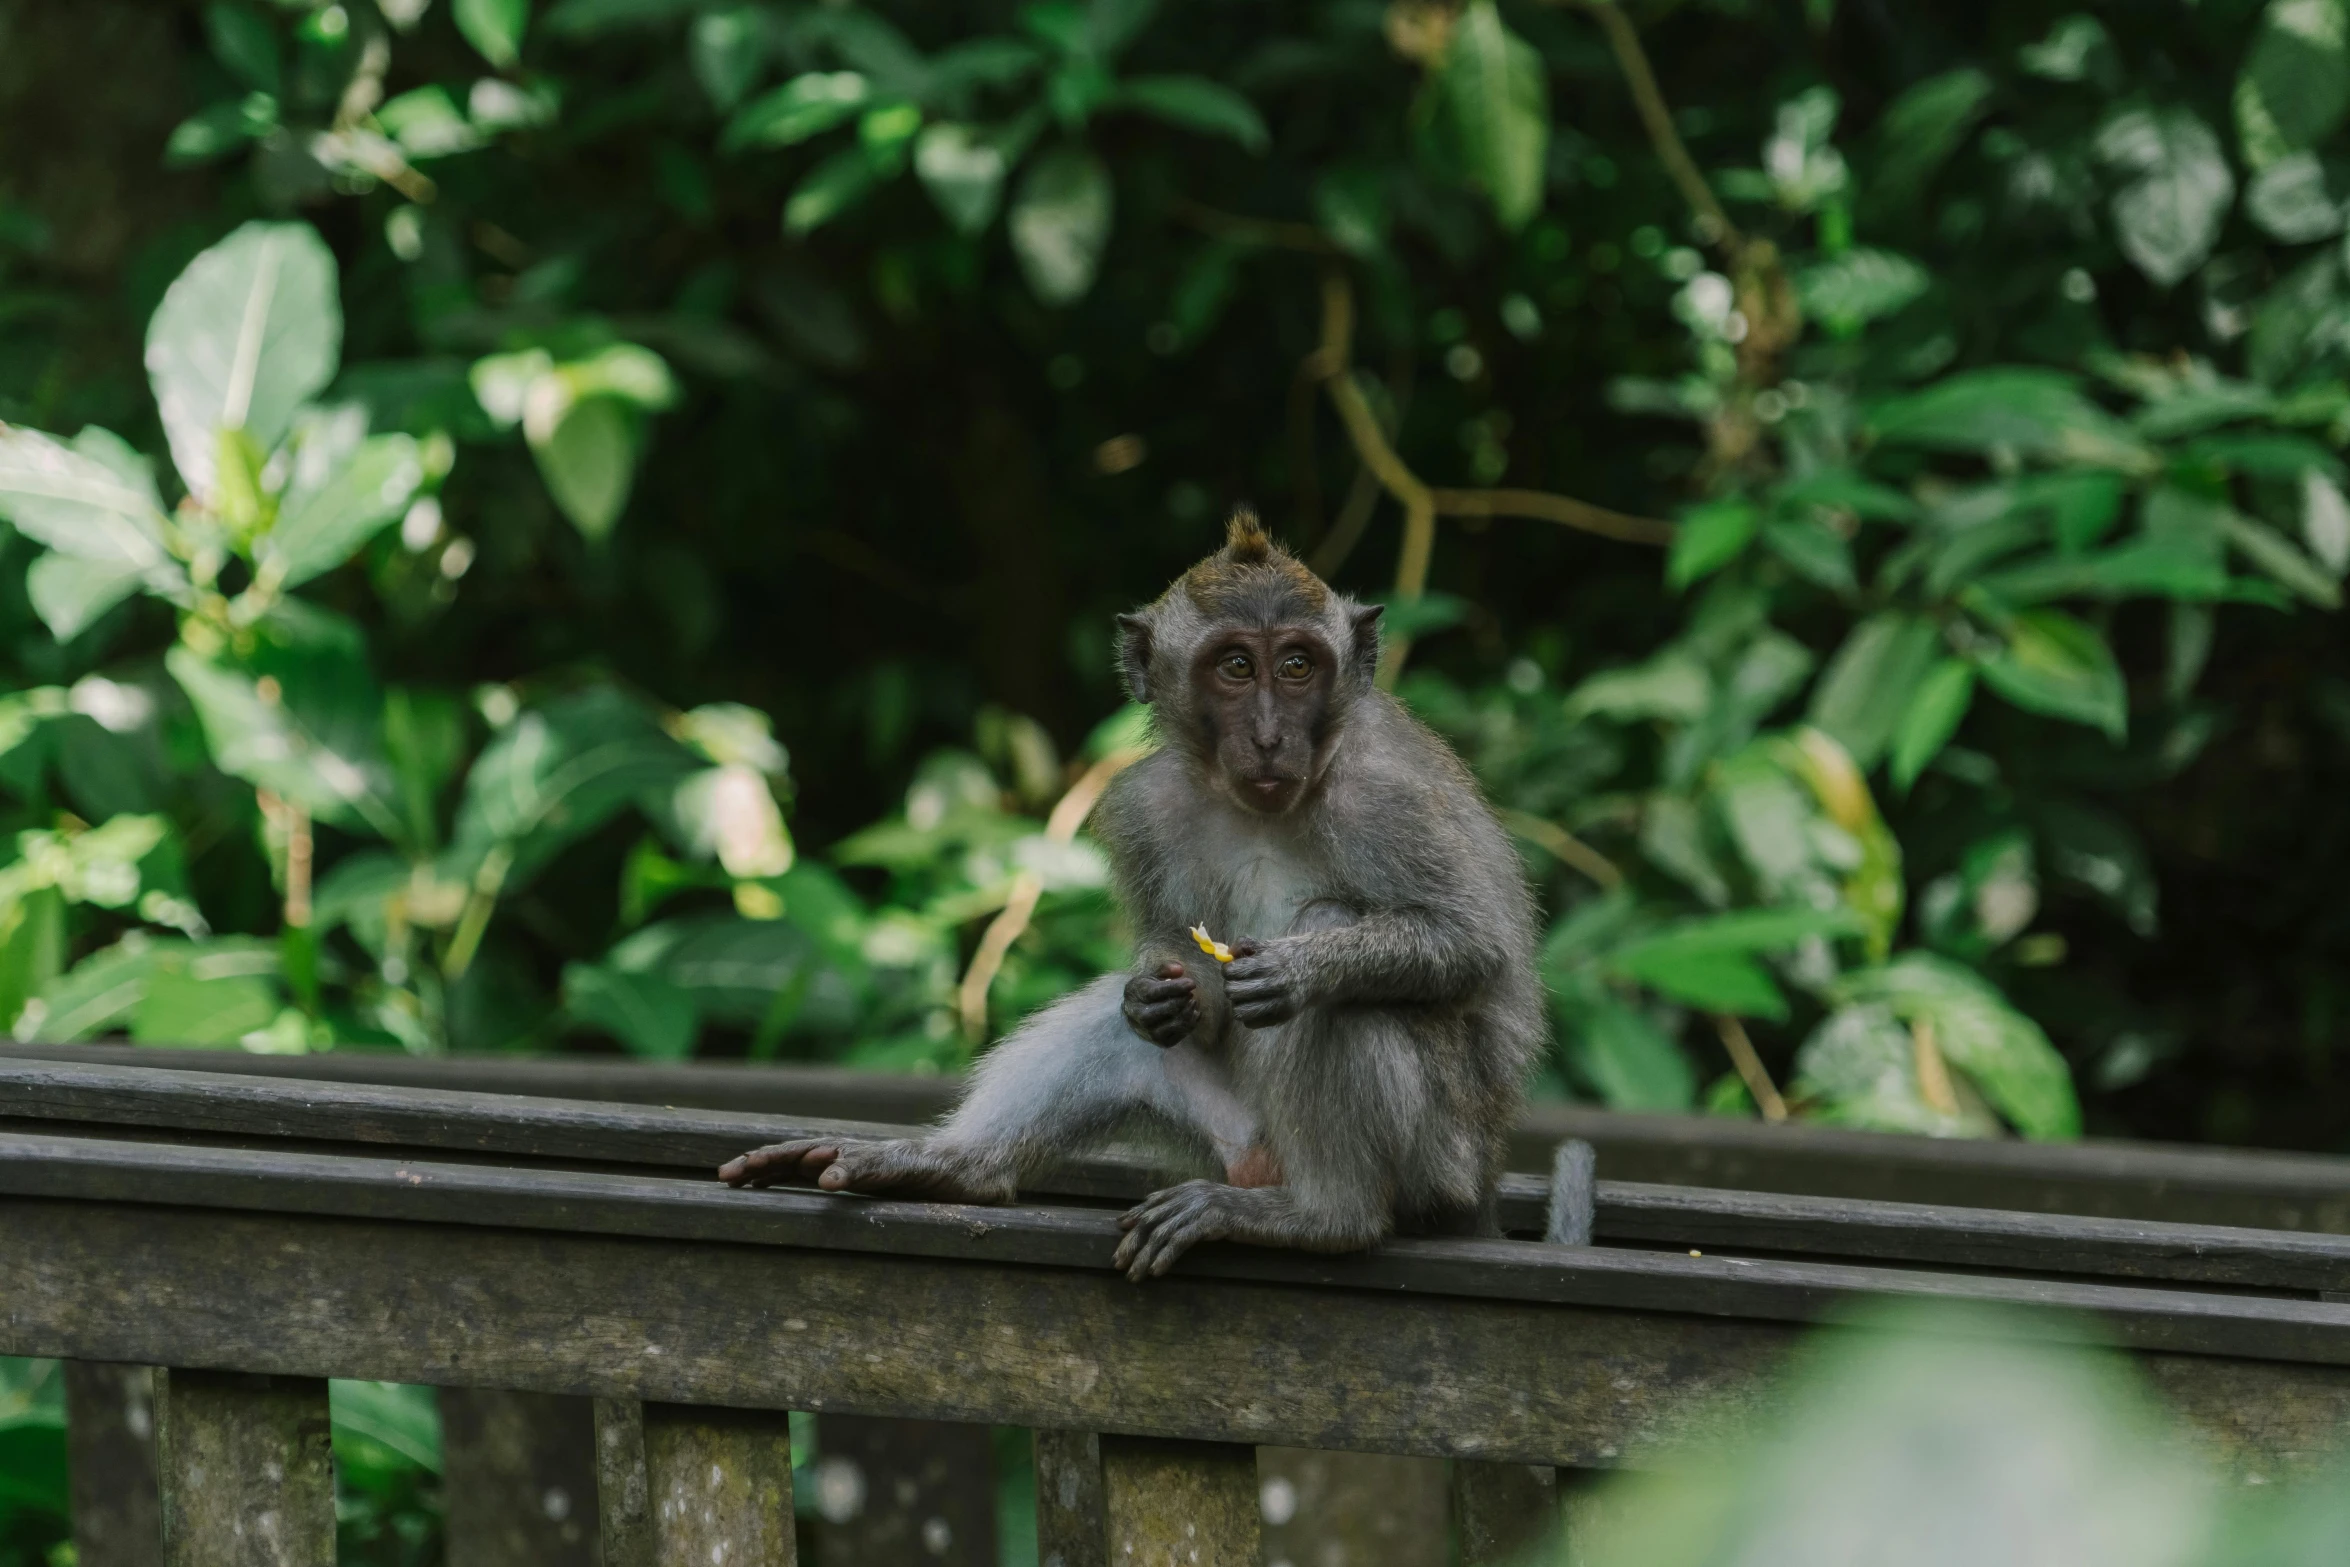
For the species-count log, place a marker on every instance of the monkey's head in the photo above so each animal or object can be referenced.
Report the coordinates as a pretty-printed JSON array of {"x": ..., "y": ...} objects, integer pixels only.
[{"x": 1250, "y": 664}]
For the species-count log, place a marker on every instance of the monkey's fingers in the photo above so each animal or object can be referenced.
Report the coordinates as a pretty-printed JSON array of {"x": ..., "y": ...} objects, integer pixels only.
[
  {"x": 1151, "y": 991},
  {"x": 779, "y": 1161}
]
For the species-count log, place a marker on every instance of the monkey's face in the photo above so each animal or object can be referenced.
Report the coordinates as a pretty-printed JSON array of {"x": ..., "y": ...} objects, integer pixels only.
[{"x": 1264, "y": 703}]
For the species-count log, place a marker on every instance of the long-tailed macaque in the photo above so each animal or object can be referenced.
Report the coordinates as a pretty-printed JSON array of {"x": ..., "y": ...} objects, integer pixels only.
[{"x": 1356, "y": 1064}]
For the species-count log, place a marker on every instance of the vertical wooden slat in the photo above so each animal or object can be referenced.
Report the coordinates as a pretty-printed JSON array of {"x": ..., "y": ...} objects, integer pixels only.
[
  {"x": 1503, "y": 1512},
  {"x": 1180, "y": 1504},
  {"x": 1351, "y": 1509},
  {"x": 1070, "y": 1529},
  {"x": 247, "y": 1470},
  {"x": 720, "y": 1485},
  {"x": 624, "y": 1498},
  {"x": 110, "y": 1452},
  {"x": 912, "y": 1493},
  {"x": 518, "y": 1478}
]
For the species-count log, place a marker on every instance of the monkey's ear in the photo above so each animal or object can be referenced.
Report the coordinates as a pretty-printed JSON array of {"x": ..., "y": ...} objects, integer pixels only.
[
  {"x": 1134, "y": 655},
  {"x": 1365, "y": 654}
]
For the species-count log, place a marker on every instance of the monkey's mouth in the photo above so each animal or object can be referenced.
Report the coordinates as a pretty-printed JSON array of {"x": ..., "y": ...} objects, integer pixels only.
[{"x": 1269, "y": 790}]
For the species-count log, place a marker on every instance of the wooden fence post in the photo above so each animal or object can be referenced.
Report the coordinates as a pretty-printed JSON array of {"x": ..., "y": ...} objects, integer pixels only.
[
  {"x": 720, "y": 1485},
  {"x": 1180, "y": 1504},
  {"x": 1070, "y": 1528},
  {"x": 1503, "y": 1512},
  {"x": 110, "y": 1454},
  {"x": 624, "y": 1498},
  {"x": 1356, "y": 1509},
  {"x": 247, "y": 1470},
  {"x": 518, "y": 1478}
]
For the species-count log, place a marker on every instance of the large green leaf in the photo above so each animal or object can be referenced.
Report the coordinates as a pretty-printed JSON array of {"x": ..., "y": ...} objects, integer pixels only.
[
  {"x": 494, "y": 27},
  {"x": 2002, "y": 1051},
  {"x": 1060, "y": 223},
  {"x": 558, "y": 772},
  {"x": 2282, "y": 560},
  {"x": 189, "y": 1006},
  {"x": 1496, "y": 100},
  {"x": 1870, "y": 684},
  {"x": 963, "y": 169},
  {"x": 1710, "y": 962},
  {"x": 807, "y": 105},
  {"x": 250, "y": 331},
  {"x": 1634, "y": 1064},
  {"x": 2039, "y": 413},
  {"x": 2295, "y": 85},
  {"x": 1847, "y": 291},
  {"x": 652, "y": 1015},
  {"x": 1197, "y": 104},
  {"x": 1859, "y": 1068},
  {"x": 1932, "y": 717},
  {"x": 69, "y": 593},
  {"x": 2167, "y": 215},
  {"x": 331, "y": 523},
  {"x": 78, "y": 502},
  {"x": 2294, "y": 201},
  {"x": 1921, "y": 129},
  {"x": 2052, "y": 664},
  {"x": 33, "y": 1470},
  {"x": 589, "y": 463}
]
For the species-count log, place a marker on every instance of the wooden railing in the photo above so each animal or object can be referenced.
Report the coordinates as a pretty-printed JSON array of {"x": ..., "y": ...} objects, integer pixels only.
[{"x": 259, "y": 1235}]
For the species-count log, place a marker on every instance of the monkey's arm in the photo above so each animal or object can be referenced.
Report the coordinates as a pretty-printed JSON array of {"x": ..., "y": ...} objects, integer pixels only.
[{"x": 1406, "y": 955}]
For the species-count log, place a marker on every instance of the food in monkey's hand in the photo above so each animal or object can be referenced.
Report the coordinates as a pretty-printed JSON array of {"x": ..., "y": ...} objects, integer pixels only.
[{"x": 1210, "y": 945}]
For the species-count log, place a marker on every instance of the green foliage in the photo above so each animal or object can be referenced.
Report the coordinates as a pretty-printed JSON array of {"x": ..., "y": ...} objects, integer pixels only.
[{"x": 523, "y": 452}]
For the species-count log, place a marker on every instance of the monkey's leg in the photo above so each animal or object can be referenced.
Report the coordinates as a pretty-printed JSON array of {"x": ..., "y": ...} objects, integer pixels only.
[{"x": 1071, "y": 1075}]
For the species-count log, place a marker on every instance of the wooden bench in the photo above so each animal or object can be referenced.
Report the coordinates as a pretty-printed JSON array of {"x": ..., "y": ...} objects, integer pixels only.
[{"x": 258, "y": 1235}]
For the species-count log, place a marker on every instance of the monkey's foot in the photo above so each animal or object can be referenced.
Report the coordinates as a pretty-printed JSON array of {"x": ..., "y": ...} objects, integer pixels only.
[
  {"x": 901, "y": 1167},
  {"x": 1168, "y": 1223}
]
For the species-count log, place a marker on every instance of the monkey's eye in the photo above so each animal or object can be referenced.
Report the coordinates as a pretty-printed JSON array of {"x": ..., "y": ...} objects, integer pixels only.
[
  {"x": 1296, "y": 667},
  {"x": 1237, "y": 666}
]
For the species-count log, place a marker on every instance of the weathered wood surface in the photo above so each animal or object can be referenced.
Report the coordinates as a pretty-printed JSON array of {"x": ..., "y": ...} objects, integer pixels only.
[
  {"x": 1070, "y": 1530},
  {"x": 624, "y": 1492},
  {"x": 110, "y": 1449},
  {"x": 518, "y": 1486},
  {"x": 1503, "y": 1513},
  {"x": 86, "y": 1097},
  {"x": 2113, "y": 1179},
  {"x": 1180, "y": 1504},
  {"x": 721, "y": 1487},
  {"x": 1351, "y": 1509},
  {"x": 1070, "y": 1348},
  {"x": 247, "y": 1470},
  {"x": 1082, "y": 1239},
  {"x": 923, "y": 1491}
]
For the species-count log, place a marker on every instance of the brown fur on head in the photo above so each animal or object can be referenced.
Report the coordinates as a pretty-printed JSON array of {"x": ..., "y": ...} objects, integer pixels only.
[{"x": 1250, "y": 587}]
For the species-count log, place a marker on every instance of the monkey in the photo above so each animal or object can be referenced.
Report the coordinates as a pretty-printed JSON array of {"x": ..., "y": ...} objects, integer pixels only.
[{"x": 1355, "y": 1066}]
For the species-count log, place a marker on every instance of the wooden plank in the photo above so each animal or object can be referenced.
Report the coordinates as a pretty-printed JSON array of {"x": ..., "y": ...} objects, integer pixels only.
[
  {"x": 518, "y": 1484},
  {"x": 624, "y": 1495},
  {"x": 1503, "y": 1513},
  {"x": 924, "y": 1492},
  {"x": 2251, "y": 1326},
  {"x": 920, "y": 1338},
  {"x": 720, "y": 1485},
  {"x": 247, "y": 1470},
  {"x": 1180, "y": 1504},
  {"x": 1354, "y": 1509},
  {"x": 2260, "y": 1190},
  {"x": 1070, "y": 1530},
  {"x": 110, "y": 1452}
]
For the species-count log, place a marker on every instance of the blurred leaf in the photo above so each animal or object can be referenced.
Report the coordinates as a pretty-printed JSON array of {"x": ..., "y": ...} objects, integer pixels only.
[
  {"x": 1931, "y": 718},
  {"x": 1633, "y": 1063},
  {"x": 727, "y": 812},
  {"x": 2325, "y": 522},
  {"x": 220, "y": 129},
  {"x": 1812, "y": 550},
  {"x": 1197, "y": 104},
  {"x": 70, "y": 593},
  {"x": 494, "y": 27},
  {"x": 2032, "y": 412},
  {"x": 1060, "y": 223},
  {"x": 1709, "y": 963},
  {"x": 2282, "y": 560},
  {"x": 2169, "y": 214},
  {"x": 33, "y": 1464},
  {"x": 2055, "y": 665},
  {"x": 1708, "y": 539},
  {"x": 245, "y": 43},
  {"x": 831, "y": 188},
  {"x": 2295, "y": 85},
  {"x": 1861, "y": 1061},
  {"x": 589, "y": 463},
  {"x": 251, "y": 330},
  {"x": 807, "y": 105},
  {"x": 2099, "y": 851},
  {"x": 1872, "y": 683},
  {"x": 401, "y": 1417},
  {"x": 1921, "y": 129},
  {"x": 2077, "y": 48},
  {"x": 298, "y": 719},
  {"x": 1496, "y": 102},
  {"x": 728, "y": 51},
  {"x": 964, "y": 172},
  {"x": 188, "y": 1006},
  {"x": 1670, "y": 686},
  {"x": 1848, "y": 291},
  {"x": 427, "y": 124},
  {"x": 332, "y": 523},
  {"x": 2000, "y": 1049},
  {"x": 2291, "y": 200},
  {"x": 77, "y": 503},
  {"x": 652, "y": 1016},
  {"x": 32, "y": 949},
  {"x": 560, "y": 771}
]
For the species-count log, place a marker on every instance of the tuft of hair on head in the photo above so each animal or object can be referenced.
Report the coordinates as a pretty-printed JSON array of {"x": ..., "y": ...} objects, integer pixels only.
[{"x": 1245, "y": 538}]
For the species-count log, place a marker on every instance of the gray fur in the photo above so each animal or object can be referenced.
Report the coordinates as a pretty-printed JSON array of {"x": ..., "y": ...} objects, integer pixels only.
[{"x": 1389, "y": 903}]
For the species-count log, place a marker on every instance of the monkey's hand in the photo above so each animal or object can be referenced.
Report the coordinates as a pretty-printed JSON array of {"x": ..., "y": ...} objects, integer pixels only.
[
  {"x": 903, "y": 1167},
  {"x": 1264, "y": 983},
  {"x": 1168, "y": 1223},
  {"x": 1163, "y": 1007}
]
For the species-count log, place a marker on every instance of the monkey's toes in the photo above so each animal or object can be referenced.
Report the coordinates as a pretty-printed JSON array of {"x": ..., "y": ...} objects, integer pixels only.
[{"x": 777, "y": 1161}]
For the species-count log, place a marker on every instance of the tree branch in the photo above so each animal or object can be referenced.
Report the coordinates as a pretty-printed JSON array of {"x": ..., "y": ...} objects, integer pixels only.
[
  {"x": 1751, "y": 1070},
  {"x": 1632, "y": 60}
]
